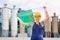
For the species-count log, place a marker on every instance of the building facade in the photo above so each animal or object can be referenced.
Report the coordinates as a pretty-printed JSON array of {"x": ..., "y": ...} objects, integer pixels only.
[{"x": 12, "y": 26}]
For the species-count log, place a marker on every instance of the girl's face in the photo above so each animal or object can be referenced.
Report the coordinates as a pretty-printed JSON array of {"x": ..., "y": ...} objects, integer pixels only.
[{"x": 37, "y": 18}]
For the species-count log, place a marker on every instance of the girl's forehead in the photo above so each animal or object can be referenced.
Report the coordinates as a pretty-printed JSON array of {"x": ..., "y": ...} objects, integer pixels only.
[{"x": 37, "y": 16}]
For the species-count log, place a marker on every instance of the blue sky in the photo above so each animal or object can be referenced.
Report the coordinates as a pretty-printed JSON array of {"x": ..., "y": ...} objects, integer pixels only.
[{"x": 35, "y": 5}]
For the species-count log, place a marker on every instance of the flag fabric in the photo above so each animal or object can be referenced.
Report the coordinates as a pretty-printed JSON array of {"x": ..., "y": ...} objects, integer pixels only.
[{"x": 24, "y": 16}]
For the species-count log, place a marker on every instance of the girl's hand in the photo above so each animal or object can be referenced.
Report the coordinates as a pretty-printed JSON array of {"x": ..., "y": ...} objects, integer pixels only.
[
  {"x": 31, "y": 16},
  {"x": 44, "y": 7}
]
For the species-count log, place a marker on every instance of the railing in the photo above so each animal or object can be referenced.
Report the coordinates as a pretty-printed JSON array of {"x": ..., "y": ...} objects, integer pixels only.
[{"x": 19, "y": 38}]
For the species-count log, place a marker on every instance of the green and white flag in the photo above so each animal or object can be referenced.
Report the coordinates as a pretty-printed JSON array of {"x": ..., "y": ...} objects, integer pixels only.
[{"x": 24, "y": 16}]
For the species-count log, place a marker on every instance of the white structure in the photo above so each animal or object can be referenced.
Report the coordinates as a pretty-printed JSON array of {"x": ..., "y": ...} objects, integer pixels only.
[
  {"x": 48, "y": 29},
  {"x": 22, "y": 29},
  {"x": 55, "y": 25},
  {"x": 14, "y": 23},
  {"x": 5, "y": 20}
]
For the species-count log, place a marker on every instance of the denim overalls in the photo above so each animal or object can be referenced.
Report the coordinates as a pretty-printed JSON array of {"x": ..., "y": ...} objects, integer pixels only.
[{"x": 37, "y": 32}]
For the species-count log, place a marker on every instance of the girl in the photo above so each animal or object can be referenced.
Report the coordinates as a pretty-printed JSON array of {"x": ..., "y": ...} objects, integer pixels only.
[{"x": 37, "y": 25}]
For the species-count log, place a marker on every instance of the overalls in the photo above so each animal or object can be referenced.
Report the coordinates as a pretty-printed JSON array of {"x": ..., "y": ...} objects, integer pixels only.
[{"x": 37, "y": 32}]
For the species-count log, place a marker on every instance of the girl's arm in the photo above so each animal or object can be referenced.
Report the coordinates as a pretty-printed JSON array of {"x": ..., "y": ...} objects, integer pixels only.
[{"x": 47, "y": 16}]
